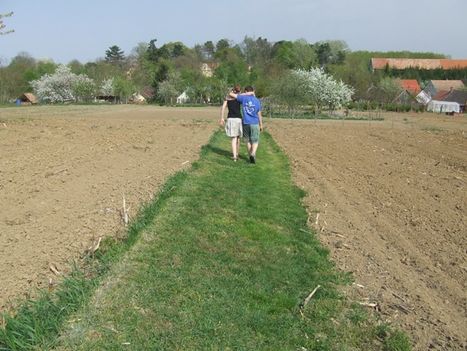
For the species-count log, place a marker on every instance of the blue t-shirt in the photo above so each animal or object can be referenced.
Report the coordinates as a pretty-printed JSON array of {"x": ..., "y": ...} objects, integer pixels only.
[{"x": 250, "y": 107}]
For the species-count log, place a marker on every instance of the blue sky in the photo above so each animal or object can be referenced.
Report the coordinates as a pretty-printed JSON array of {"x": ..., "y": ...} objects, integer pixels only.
[{"x": 84, "y": 29}]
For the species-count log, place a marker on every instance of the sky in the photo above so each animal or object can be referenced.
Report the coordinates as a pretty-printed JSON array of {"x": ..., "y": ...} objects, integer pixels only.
[{"x": 84, "y": 29}]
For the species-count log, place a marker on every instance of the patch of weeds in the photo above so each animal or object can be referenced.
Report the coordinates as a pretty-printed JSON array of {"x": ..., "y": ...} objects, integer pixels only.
[{"x": 433, "y": 129}]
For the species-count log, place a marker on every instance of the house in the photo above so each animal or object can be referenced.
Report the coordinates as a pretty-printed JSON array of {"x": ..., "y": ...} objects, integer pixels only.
[
  {"x": 148, "y": 93},
  {"x": 183, "y": 98},
  {"x": 457, "y": 96},
  {"x": 137, "y": 98},
  {"x": 27, "y": 99},
  {"x": 208, "y": 68},
  {"x": 410, "y": 85},
  {"x": 436, "y": 86},
  {"x": 404, "y": 63},
  {"x": 423, "y": 97},
  {"x": 443, "y": 107},
  {"x": 409, "y": 89}
]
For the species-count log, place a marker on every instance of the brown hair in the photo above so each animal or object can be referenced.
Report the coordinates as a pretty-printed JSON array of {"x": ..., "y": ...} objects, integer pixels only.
[{"x": 237, "y": 88}]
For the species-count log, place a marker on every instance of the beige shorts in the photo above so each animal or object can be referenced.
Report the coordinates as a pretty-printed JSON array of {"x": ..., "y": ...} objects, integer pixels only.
[{"x": 233, "y": 127}]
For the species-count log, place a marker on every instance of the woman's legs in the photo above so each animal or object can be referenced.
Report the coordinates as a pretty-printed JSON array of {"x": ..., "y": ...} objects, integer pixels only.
[{"x": 235, "y": 147}]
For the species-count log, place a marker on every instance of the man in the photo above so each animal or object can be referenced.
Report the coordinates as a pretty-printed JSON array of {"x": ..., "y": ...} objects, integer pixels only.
[{"x": 252, "y": 119}]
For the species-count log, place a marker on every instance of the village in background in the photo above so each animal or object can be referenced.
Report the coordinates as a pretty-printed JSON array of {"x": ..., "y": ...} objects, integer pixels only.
[{"x": 174, "y": 74}]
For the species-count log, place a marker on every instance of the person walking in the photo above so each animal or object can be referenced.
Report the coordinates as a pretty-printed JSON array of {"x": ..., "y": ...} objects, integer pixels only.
[
  {"x": 252, "y": 119},
  {"x": 233, "y": 126}
]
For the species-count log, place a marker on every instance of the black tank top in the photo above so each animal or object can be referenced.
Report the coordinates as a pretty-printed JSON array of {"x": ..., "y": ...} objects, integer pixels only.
[{"x": 234, "y": 109}]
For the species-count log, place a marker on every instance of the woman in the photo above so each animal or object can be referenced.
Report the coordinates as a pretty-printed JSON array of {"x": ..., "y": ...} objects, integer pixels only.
[{"x": 233, "y": 127}]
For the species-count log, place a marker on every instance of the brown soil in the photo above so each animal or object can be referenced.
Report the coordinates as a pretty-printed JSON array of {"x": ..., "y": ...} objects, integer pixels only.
[
  {"x": 63, "y": 173},
  {"x": 392, "y": 203}
]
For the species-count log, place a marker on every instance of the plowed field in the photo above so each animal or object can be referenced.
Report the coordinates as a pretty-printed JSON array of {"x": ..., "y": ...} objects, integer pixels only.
[
  {"x": 389, "y": 199},
  {"x": 65, "y": 170}
]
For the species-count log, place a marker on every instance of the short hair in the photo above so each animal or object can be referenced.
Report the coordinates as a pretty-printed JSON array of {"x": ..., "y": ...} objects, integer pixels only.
[{"x": 249, "y": 88}]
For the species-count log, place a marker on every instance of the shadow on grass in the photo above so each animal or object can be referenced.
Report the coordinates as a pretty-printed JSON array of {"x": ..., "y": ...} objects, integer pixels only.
[{"x": 218, "y": 151}]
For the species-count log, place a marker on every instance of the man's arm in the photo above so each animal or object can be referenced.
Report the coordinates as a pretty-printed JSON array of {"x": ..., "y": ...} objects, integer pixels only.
[{"x": 232, "y": 94}]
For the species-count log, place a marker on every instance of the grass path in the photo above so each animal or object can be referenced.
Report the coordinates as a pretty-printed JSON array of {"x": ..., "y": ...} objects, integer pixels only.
[{"x": 225, "y": 264}]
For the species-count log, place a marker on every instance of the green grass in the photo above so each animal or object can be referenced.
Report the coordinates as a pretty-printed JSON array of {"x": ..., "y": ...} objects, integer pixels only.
[{"x": 222, "y": 260}]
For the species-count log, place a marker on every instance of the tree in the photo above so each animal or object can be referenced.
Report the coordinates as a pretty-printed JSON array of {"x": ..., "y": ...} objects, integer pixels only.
[
  {"x": 386, "y": 90},
  {"x": 222, "y": 44},
  {"x": 114, "y": 54},
  {"x": 167, "y": 92},
  {"x": 84, "y": 88},
  {"x": 3, "y": 31},
  {"x": 319, "y": 89},
  {"x": 63, "y": 86},
  {"x": 331, "y": 52},
  {"x": 170, "y": 88},
  {"x": 322, "y": 90},
  {"x": 152, "y": 51},
  {"x": 289, "y": 90},
  {"x": 298, "y": 54},
  {"x": 257, "y": 52},
  {"x": 208, "y": 50},
  {"x": 123, "y": 88},
  {"x": 107, "y": 87}
]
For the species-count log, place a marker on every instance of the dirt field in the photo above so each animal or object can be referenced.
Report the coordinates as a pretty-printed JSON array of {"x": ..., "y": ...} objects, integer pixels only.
[
  {"x": 63, "y": 173},
  {"x": 389, "y": 199}
]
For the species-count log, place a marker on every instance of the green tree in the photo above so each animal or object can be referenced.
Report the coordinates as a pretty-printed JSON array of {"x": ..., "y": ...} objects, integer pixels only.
[
  {"x": 294, "y": 55},
  {"x": 289, "y": 90},
  {"x": 257, "y": 52},
  {"x": 114, "y": 55},
  {"x": 123, "y": 88},
  {"x": 222, "y": 44},
  {"x": 208, "y": 50},
  {"x": 76, "y": 67}
]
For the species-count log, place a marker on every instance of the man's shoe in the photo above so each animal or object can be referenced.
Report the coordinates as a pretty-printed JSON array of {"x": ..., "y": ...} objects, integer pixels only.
[{"x": 252, "y": 159}]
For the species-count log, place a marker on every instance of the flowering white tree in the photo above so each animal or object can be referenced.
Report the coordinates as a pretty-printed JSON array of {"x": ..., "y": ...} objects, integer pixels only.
[
  {"x": 63, "y": 86},
  {"x": 107, "y": 87},
  {"x": 322, "y": 90}
]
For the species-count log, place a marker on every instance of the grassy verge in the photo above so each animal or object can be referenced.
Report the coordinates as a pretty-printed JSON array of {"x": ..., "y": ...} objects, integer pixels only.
[{"x": 222, "y": 260}]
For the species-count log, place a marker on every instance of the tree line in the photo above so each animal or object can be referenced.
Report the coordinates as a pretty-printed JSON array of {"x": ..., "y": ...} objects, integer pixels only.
[{"x": 162, "y": 72}]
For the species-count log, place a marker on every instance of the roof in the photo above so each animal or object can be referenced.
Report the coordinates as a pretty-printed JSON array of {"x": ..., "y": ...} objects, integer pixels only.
[
  {"x": 459, "y": 96},
  {"x": 410, "y": 85},
  {"x": 447, "y": 85},
  {"x": 440, "y": 95},
  {"x": 30, "y": 97},
  {"x": 404, "y": 63},
  {"x": 452, "y": 64}
]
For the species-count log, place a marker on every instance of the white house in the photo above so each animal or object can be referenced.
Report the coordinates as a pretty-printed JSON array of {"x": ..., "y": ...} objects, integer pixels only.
[
  {"x": 443, "y": 106},
  {"x": 183, "y": 98}
]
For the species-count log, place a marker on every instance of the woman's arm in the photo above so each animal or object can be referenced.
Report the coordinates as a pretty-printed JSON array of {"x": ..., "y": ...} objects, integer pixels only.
[{"x": 224, "y": 105}]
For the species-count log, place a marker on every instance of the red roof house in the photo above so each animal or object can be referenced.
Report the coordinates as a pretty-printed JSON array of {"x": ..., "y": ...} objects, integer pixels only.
[{"x": 411, "y": 85}]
